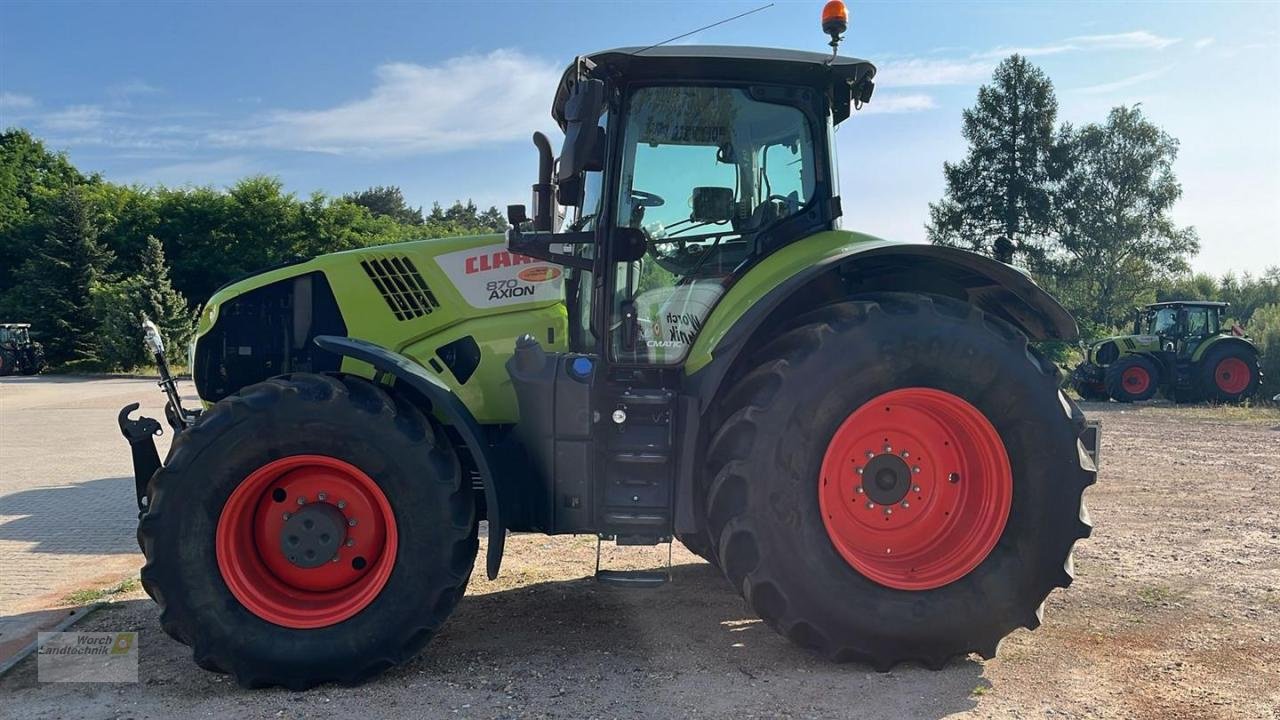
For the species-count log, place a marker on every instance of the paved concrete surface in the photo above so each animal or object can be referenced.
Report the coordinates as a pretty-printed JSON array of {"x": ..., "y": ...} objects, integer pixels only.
[{"x": 67, "y": 513}]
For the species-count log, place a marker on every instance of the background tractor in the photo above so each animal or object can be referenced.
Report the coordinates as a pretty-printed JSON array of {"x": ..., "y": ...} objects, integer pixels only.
[
  {"x": 18, "y": 352},
  {"x": 679, "y": 342},
  {"x": 1180, "y": 348}
]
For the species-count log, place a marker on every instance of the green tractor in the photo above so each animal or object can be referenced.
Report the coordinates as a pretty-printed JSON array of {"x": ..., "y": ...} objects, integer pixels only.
[
  {"x": 679, "y": 342},
  {"x": 1180, "y": 348},
  {"x": 19, "y": 354}
]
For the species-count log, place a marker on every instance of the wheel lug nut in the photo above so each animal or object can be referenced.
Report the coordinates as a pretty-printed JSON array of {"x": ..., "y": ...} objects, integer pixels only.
[
  {"x": 858, "y": 470},
  {"x": 906, "y": 454},
  {"x": 915, "y": 469},
  {"x": 870, "y": 454},
  {"x": 915, "y": 488},
  {"x": 859, "y": 490},
  {"x": 342, "y": 504},
  {"x": 321, "y": 497},
  {"x": 351, "y": 522},
  {"x": 888, "y": 511},
  {"x": 905, "y": 504},
  {"x": 287, "y": 516},
  {"x": 888, "y": 448},
  {"x": 871, "y": 505},
  {"x": 302, "y": 500},
  {"x": 351, "y": 543},
  {"x": 335, "y": 558}
]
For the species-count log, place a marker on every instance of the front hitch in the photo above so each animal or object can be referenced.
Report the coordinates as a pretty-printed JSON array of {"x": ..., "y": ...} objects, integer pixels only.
[{"x": 141, "y": 435}]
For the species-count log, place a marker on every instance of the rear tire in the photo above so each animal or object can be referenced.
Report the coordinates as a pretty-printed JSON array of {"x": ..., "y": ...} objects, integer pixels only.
[
  {"x": 191, "y": 528},
  {"x": 1229, "y": 374},
  {"x": 782, "y": 419},
  {"x": 699, "y": 544},
  {"x": 1132, "y": 379}
]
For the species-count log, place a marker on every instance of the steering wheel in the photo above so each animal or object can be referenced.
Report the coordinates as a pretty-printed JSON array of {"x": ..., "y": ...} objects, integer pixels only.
[{"x": 640, "y": 198}]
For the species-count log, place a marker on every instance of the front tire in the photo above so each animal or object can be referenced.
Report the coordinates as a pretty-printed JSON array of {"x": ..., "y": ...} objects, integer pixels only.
[
  {"x": 1132, "y": 379},
  {"x": 796, "y": 538},
  {"x": 337, "y": 463}
]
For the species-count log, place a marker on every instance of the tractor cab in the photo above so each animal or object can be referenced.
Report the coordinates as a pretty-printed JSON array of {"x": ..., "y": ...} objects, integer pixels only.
[
  {"x": 682, "y": 167},
  {"x": 1180, "y": 326}
]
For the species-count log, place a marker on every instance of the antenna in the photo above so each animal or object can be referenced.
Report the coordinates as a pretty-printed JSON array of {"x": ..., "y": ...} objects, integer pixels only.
[{"x": 705, "y": 27}]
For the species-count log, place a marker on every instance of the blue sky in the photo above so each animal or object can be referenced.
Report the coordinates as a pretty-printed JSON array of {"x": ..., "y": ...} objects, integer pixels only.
[{"x": 440, "y": 98}]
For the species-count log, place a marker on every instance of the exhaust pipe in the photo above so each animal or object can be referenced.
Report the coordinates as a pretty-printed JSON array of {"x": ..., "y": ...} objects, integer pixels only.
[{"x": 543, "y": 191}]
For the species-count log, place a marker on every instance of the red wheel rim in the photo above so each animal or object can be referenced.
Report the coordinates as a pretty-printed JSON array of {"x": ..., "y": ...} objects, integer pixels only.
[
  {"x": 954, "y": 506},
  {"x": 1232, "y": 375},
  {"x": 1136, "y": 380},
  {"x": 251, "y": 540}
]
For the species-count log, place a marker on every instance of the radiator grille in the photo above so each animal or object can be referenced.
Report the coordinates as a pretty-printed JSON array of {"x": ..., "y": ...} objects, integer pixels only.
[{"x": 401, "y": 285}]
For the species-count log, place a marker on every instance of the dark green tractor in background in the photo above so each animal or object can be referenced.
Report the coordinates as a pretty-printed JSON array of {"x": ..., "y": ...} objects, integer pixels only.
[
  {"x": 18, "y": 353},
  {"x": 1180, "y": 348}
]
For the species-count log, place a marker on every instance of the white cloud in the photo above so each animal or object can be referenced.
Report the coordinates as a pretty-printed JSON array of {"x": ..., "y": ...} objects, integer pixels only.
[
  {"x": 200, "y": 172},
  {"x": 890, "y": 103},
  {"x": 1124, "y": 82},
  {"x": 76, "y": 118},
  {"x": 1140, "y": 39},
  {"x": 1203, "y": 43},
  {"x": 1136, "y": 40},
  {"x": 977, "y": 67},
  {"x": 918, "y": 72},
  {"x": 461, "y": 103},
  {"x": 14, "y": 101},
  {"x": 122, "y": 92}
]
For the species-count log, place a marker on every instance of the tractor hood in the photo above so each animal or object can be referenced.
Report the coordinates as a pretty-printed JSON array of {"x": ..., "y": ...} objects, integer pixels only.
[{"x": 391, "y": 295}]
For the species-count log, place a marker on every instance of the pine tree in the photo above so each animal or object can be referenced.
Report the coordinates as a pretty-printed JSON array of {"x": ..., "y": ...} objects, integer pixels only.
[
  {"x": 997, "y": 200},
  {"x": 57, "y": 282}
]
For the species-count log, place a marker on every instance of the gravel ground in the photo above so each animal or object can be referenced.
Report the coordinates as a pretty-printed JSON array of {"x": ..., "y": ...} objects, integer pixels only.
[{"x": 1175, "y": 613}]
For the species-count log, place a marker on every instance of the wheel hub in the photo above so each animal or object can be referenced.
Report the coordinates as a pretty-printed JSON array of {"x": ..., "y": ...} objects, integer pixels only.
[
  {"x": 311, "y": 537},
  {"x": 886, "y": 479}
]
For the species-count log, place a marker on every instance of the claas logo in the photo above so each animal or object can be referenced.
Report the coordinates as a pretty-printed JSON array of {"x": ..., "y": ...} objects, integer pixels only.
[{"x": 539, "y": 273}]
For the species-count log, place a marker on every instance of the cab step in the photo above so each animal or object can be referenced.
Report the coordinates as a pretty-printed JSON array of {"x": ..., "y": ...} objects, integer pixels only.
[{"x": 634, "y": 578}]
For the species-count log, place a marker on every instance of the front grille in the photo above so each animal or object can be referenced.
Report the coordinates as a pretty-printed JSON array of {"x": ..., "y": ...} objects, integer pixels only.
[{"x": 401, "y": 285}]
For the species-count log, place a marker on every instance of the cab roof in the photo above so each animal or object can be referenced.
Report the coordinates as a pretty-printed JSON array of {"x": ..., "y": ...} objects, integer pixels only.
[
  {"x": 718, "y": 62},
  {"x": 1186, "y": 303},
  {"x": 14, "y": 326}
]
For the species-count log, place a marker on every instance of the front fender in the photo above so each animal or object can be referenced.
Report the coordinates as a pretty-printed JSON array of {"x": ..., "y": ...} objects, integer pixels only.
[{"x": 451, "y": 408}]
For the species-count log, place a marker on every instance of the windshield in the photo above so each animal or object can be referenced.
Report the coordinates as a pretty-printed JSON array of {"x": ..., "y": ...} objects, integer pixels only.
[
  {"x": 703, "y": 170},
  {"x": 1160, "y": 322}
]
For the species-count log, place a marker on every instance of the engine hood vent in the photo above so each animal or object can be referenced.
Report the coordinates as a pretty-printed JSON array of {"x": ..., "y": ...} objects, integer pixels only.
[{"x": 401, "y": 285}]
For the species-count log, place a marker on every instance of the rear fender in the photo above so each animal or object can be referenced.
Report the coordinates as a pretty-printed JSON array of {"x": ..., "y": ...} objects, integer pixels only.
[
  {"x": 831, "y": 266},
  {"x": 1222, "y": 341},
  {"x": 446, "y": 404}
]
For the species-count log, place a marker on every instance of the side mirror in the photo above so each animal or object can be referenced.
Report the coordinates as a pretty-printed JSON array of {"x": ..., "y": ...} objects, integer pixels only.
[
  {"x": 517, "y": 215},
  {"x": 712, "y": 204},
  {"x": 583, "y": 138}
]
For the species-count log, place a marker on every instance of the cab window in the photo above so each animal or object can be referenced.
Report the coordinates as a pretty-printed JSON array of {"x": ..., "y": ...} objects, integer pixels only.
[{"x": 703, "y": 171}]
